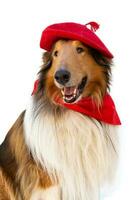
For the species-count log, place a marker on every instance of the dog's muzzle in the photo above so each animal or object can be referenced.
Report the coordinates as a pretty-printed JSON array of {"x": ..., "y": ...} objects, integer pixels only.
[{"x": 70, "y": 93}]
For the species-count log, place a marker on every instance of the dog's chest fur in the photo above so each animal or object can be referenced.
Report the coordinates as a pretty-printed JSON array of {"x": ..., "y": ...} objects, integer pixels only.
[
  {"x": 74, "y": 149},
  {"x": 52, "y": 193}
]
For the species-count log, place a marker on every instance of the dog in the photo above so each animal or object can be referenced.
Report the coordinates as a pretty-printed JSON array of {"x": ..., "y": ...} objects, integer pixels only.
[{"x": 52, "y": 152}]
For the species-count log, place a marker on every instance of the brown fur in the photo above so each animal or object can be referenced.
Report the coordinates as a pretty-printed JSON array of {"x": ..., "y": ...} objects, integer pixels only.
[
  {"x": 19, "y": 174},
  {"x": 23, "y": 175},
  {"x": 6, "y": 192}
]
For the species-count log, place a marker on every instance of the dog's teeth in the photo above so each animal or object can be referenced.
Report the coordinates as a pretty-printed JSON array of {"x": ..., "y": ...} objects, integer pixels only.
[
  {"x": 68, "y": 98},
  {"x": 75, "y": 91},
  {"x": 71, "y": 95}
]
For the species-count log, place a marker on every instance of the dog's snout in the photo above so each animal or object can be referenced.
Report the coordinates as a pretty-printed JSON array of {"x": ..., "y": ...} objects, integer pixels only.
[{"x": 62, "y": 76}]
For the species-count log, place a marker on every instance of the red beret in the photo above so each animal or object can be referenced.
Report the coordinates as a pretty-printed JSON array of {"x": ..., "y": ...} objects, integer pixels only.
[{"x": 73, "y": 31}]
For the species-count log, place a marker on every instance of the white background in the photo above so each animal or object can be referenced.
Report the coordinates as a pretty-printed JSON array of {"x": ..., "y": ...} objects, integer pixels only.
[{"x": 21, "y": 24}]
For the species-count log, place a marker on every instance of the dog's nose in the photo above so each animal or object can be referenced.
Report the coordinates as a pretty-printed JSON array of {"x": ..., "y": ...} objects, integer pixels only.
[{"x": 62, "y": 76}]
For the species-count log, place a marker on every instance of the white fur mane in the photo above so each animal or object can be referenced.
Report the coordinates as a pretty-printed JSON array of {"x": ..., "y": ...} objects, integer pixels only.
[{"x": 79, "y": 151}]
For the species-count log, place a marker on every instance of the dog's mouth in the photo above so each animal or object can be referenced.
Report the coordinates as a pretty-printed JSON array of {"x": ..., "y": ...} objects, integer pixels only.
[{"x": 72, "y": 94}]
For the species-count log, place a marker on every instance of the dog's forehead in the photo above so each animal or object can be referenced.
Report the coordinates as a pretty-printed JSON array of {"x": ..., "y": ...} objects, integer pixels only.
[{"x": 64, "y": 43}]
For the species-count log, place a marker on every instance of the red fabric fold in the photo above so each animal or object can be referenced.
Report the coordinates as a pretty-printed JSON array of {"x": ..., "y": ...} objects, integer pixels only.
[{"x": 106, "y": 112}]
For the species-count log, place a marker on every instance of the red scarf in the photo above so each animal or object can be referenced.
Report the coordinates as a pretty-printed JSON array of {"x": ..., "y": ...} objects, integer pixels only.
[{"x": 106, "y": 112}]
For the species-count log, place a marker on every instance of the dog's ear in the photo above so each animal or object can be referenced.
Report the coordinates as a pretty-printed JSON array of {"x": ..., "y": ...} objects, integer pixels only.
[
  {"x": 100, "y": 59},
  {"x": 105, "y": 63},
  {"x": 47, "y": 60},
  {"x": 45, "y": 57}
]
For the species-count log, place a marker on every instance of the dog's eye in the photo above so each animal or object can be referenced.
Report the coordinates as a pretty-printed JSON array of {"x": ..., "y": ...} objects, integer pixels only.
[
  {"x": 79, "y": 49},
  {"x": 56, "y": 53}
]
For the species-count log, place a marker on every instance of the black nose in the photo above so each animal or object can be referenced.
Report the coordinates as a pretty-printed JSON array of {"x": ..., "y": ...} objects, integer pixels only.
[{"x": 62, "y": 76}]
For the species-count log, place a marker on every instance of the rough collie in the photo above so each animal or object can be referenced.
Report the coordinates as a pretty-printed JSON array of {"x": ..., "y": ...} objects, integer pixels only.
[{"x": 52, "y": 152}]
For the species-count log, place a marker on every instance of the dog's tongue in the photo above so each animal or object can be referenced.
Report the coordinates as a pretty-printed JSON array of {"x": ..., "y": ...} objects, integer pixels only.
[{"x": 69, "y": 90}]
